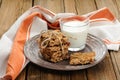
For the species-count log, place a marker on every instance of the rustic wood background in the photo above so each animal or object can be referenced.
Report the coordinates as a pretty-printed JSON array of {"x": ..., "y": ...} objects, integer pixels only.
[{"x": 108, "y": 69}]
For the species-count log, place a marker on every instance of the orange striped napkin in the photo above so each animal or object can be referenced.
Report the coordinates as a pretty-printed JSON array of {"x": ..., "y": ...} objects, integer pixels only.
[{"x": 36, "y": 19}]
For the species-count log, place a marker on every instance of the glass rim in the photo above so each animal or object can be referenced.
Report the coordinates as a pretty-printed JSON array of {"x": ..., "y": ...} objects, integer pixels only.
[{"x": 86, "y": 21}]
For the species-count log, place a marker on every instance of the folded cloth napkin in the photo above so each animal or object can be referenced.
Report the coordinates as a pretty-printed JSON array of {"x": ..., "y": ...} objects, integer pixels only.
[{"x": 103, "y": 25}]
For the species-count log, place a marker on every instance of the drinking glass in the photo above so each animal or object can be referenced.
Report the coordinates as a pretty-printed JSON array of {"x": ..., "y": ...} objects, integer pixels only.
[{"x": 76, "y": 29}]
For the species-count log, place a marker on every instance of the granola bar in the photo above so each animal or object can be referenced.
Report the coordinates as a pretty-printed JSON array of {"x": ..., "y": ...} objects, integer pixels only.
[{"x": 82, "y": 58}]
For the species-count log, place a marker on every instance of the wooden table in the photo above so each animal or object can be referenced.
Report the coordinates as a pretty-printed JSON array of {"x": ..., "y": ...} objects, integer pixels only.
[{"x": 108, "y": 69}]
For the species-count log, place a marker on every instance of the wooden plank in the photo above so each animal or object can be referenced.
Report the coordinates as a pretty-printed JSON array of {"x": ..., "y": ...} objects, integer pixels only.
[
  {"x": 55, "y": 6},
  {"x": 102, "y": 71},
  {"x": 22, "y": 75},
  {"x": 78, "y": 75},
  {"x": 10, "y": 10},
  {"x": 38, "y": 73},
  {"x": 0, "y": 3},
  {"x": 116, "y": 62},
  {"x": 85, "y": 6},
  {"x": 70, "y": 6},
  {"x": 118, "y": 6}
]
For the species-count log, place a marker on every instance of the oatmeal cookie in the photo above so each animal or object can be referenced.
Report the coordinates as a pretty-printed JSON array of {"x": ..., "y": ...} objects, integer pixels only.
[{"x": 53, "y": 45}]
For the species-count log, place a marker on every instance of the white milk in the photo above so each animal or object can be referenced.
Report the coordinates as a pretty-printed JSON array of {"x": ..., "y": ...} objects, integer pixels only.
[{"x": 76, "y": 31}]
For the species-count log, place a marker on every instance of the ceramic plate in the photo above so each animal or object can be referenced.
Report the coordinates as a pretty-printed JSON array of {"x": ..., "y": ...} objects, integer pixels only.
[{"x": 31, "y": 51}]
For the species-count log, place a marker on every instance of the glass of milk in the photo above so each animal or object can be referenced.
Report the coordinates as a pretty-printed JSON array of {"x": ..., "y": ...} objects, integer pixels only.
[{"x": 76, "y": 31}]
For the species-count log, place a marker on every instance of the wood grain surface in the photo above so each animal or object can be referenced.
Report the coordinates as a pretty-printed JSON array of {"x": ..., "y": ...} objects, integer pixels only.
[{"x": 108, "y": 69}]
